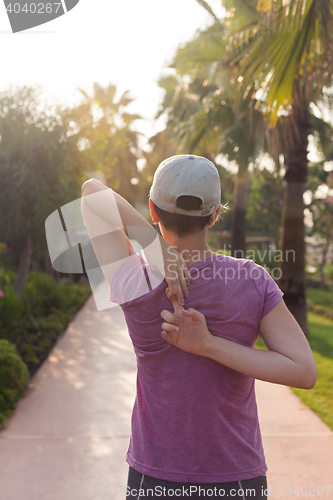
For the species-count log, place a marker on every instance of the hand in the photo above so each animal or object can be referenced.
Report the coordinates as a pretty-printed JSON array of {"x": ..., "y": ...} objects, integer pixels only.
[
  {"x": 185, "y": 329},
  {"x": 165, "y": 259},
  {"x": 176, "y": 273}
]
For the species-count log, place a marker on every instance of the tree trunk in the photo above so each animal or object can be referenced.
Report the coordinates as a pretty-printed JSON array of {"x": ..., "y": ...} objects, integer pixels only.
[
  {"x": 292, "y": 245},
  {"x": 292, "y": 281},
  {"x": 323, "y": 262},
  {"x": 238, "y": 236},
  {"x": 23, "y": 267}
]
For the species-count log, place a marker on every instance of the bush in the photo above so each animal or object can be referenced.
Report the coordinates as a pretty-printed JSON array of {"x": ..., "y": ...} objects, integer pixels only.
[
  {"x": 14, "y": 378},
  {"x": 6, "y": 276},
  {"x": 34, "y": 321},
  {"x": 42, "y": 293},
  {"x": 13, "y": 313},
  {"x": 29, "y": 327}
]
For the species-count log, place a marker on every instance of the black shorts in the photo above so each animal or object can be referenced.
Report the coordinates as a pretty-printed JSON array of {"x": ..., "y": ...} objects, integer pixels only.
[{"x": 142, "y": 487}]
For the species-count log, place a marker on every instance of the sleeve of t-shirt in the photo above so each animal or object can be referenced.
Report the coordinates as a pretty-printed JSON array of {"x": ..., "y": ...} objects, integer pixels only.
[
  {"x": 270, "y": 292},
  {"x": 129, "y": 281}
]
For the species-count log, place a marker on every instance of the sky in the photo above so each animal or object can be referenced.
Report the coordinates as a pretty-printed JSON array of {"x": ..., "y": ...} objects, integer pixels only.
[{"x": 124, "y": 42}]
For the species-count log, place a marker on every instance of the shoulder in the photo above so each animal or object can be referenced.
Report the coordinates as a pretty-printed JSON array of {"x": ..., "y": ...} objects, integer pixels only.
[
  {"x": 129, "y": 280},
  {"x": 267, "y": 288},
  {"x": 245, "y": 271},
  {"x": 244, "y": 268},
  {"x": 269, "y": 292}
]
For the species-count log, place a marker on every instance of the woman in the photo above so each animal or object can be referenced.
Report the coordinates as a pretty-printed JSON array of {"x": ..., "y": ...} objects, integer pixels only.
[{"x": 195, "y": 429}]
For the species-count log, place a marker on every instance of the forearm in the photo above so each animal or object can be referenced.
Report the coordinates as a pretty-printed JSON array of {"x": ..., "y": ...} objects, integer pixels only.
[
  {"x": 269, "y": 366},
  {"x": 289, "y": 360}
]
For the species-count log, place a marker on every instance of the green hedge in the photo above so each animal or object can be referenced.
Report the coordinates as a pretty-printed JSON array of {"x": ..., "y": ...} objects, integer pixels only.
[
  {"x": 14, "y": 377},
  {"x": 34, "y": 321}
]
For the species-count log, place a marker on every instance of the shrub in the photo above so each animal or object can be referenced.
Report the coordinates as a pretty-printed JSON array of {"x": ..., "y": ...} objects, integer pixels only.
[
  {"x": 14, "y": 378},
  {"x": 13, "y": 313},
  {"x": 6, "y": 276},
  {"x": 34, "y": 321},
  {"x": 42, "y": 293}
]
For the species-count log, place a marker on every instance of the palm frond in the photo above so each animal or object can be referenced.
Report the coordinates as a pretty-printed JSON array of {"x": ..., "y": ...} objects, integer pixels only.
[
  {"x": 207, "y": 7},
  {"x": 294, "y": 51}
]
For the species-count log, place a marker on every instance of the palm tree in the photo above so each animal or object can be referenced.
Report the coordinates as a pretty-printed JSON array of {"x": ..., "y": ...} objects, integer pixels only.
[
  {"x": 207, "y": 116},
  {"x": 286, "y": 58},
  {"x": 102, "y": 138}
]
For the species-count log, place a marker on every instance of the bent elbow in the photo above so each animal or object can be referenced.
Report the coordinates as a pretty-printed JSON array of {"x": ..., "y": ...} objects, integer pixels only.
[
  {"x": 309, "y": 385},
  {"x": 310, "y": 378}
]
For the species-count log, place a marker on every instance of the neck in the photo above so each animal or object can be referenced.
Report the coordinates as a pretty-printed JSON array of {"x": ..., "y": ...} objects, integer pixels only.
[{"x": 193, "y": 247}]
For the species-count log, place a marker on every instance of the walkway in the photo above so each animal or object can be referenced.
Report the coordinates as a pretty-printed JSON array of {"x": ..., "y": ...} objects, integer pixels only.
[{"x": 68, "y": 437}]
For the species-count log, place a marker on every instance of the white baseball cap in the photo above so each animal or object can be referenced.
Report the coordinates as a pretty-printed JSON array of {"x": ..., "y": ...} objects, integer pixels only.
[{"x": 186, "y": 175}]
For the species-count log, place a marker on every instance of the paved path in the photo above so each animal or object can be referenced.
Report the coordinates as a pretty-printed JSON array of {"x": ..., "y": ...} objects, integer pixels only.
[{"x": 68, "y": 437}]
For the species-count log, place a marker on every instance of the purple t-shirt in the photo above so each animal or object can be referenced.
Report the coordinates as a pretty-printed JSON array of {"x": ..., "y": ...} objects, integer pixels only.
[{"x": 194, "y": 419}]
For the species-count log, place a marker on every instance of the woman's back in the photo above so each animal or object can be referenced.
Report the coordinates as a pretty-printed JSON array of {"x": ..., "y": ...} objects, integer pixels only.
[{"x": 195, "y": 420}]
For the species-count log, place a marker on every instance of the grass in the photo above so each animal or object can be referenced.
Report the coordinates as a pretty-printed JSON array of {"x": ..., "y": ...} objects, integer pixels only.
[
  {"x": 319, "y": 399},
  {"x": 320, "y": 297},
  {"x": 320, "y": 338},
  {"x": 320, "y": 302}
]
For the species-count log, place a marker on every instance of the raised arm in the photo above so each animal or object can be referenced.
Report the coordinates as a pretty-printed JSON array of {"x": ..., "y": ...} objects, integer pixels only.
[
  {"x": 289, "y": 360},
  {"x": 109, "y": 217},
  {"x": 107, "y": 237}
]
